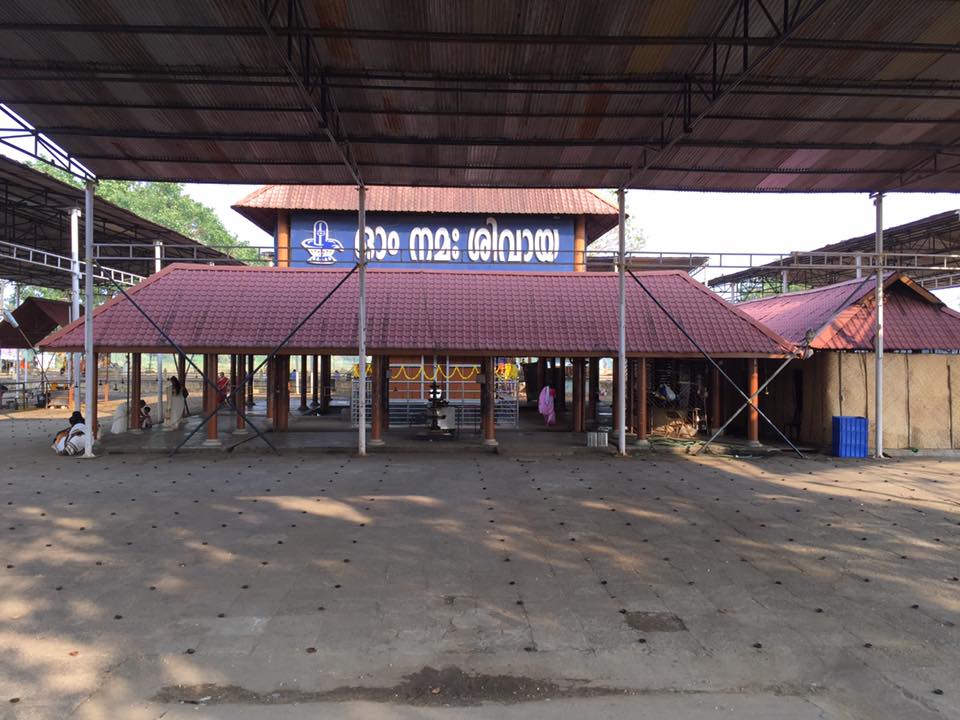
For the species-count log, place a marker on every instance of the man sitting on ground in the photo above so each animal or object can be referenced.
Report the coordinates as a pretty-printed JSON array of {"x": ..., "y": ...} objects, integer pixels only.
[{"x": 71, "y": 440}]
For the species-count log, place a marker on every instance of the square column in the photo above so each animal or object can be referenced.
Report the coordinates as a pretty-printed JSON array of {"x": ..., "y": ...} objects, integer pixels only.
[
  {"x": 386, "y": 392},
  {"x": 640, "y": 403},
  {"x": 133, "y": 411},
  {"x": 376, "y": 402},
  {"x": 326, "y": 388},
  {"x": 315, "y": 402},
  {"x": 489, "y": 423},
  {"x": 210, "y": 400},
  {"x": 578, "y": 394},
  {"x": 715, "y": 411},
  {"x": 753, "y": 417},
  {"x": 281, "y": 395},
  {"x": 302, "y": 377},
  {"x": 271, "y": 385},
  {"x": 240, "y": 426},
  {"x": 593, "y": 398}
]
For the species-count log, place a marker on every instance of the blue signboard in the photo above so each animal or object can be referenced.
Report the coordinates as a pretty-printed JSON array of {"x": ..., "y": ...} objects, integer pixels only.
[{"x": 476, "y": 242}]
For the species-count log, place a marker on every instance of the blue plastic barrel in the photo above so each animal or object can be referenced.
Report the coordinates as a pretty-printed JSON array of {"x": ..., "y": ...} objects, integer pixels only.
[{"x": 850, "y": 436}]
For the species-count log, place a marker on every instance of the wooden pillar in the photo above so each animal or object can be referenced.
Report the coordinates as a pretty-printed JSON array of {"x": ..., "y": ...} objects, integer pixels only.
[
  {"x": 302, "y": 377},
  {"x": 541, "y": 376},
  {"x": 271, "y": 385},
  {"x": 315, "y": 402},
  {"x": 386, "y": 392},
  {"x": 250, "y": 368},
  {"x": 593, "y": 398},
  {"x": 283, "y": 239},
  {"x": 715, "y": 420},
  {"x": 239, "y": 399},
  {"x": 560, "y": 373},
  {"x": 210, "y": 399},
  {"x": 580, "y": 244},
  {"x": 283, "y": 396},
  {"x": 106, "y": 378},
  {"x": 133, "y": 411},
  {"x": 376, "y": 402},
  {"x": 641, "y": 402},
  {"x": 326, "y": 389},
  {"x": 578, "y": 415},
  {"x": 233, "y": 373},
  {"x": 753, "y": 417},
  {"x": 93, "y": 419},
  {"x": 630, "y": 398},
  {"x": 490, "y": 402}
]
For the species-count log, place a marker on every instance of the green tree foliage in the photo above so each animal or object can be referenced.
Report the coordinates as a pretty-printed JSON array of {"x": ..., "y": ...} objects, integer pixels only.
[{"x": 166, "y": 204}]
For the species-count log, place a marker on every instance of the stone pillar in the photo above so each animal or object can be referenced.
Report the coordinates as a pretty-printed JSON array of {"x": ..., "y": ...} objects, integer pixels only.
[
  {"x": 326, "y": 387},
  {"x": 593, "y": 399},
  {"x": 376, "y": 402},
  {"x": 630, "y": 420},
  {"x": 315, "y": 402},
  {"x": 578, "y": 413},
  {"x": 302, "y": 377},
  {"x": 642, "y": 398},
  {"x": 715, "y": 420},
  {"x": 271, "y": 386},
  {"x": 210, "y": 399},
  {"x": 753, "y": 417},
  {"x": 133, "y": 411},
  {"x": 490, "y": 402}
]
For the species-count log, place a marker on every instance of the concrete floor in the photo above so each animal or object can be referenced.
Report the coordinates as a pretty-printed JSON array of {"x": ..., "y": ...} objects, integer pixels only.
[{"x": 251, "y": 586}]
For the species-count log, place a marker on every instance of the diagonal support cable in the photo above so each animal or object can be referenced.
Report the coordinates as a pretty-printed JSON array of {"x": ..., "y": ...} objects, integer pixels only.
[
  {"x": 250, "y": 375},
  {"x": 180, "y": 351},
  {"x": 713, "y": 362},
  {"x": 719, "y": 431}
]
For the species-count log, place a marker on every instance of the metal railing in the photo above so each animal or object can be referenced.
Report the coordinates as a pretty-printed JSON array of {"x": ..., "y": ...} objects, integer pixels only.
[{"x": 62, "y": 263}]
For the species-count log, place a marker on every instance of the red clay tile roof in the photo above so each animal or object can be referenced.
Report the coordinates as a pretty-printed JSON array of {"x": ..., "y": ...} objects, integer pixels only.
[
  {"x": 261, "y": 206},
  {"x": 37, "y": 317},
  {"x": 842, "y": 316},
  {"x": 421, "y": 311}
]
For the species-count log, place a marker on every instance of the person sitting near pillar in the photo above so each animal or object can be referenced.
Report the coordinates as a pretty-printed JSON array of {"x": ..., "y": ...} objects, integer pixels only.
[
  {"x": 71, "y": 440},
  {"x": 146, "y": 419}
]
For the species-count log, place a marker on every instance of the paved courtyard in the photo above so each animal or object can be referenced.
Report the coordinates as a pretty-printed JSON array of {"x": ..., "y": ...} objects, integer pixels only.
[{"x": 474, "y": 586}]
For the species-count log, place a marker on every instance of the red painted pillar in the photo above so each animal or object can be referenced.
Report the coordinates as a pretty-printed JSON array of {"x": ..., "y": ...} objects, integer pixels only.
[
  {"x": 753, "y": 417},
  {"x": 490, "y": 402},
  {"x": 133, "y": 411},
  {"x": 302, "y": 377},
  {"x": 641, "y": 402},
  {"x": 210, "y": 400},
  {"x": 578, "y": 415},
  {"x": 326, "y": 389},
  {"x": 715, "y": 420},
  {"x": 376, "y": 401},
  {"x": 240, "y": 426}
]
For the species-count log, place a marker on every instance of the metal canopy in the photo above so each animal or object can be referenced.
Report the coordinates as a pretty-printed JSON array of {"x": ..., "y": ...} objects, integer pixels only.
[
  {"x": 35, "y": 232},
  {"x": 729, "y": 95}
]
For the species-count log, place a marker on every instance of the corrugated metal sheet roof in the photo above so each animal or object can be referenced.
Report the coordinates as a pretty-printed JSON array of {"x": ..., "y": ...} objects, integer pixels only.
[
  {"x": 854, "y": 95},
  {"x": 843, "y": 317},
  {"x": 508, "y": 313}
]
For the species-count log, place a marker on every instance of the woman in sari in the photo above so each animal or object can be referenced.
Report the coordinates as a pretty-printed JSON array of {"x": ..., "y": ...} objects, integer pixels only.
[{"x": 175, "y": 404}]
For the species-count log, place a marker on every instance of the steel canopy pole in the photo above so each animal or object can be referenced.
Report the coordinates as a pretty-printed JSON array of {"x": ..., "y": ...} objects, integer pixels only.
[
  {"x": 157, "y": 266},
  {"x": 362, "y": 321},
  {"x": 621, "y": 418},
  {"x": 91, "y": 390},
  {"x": 878, "y": 341},
  {"x": 74, "y": 379}
]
